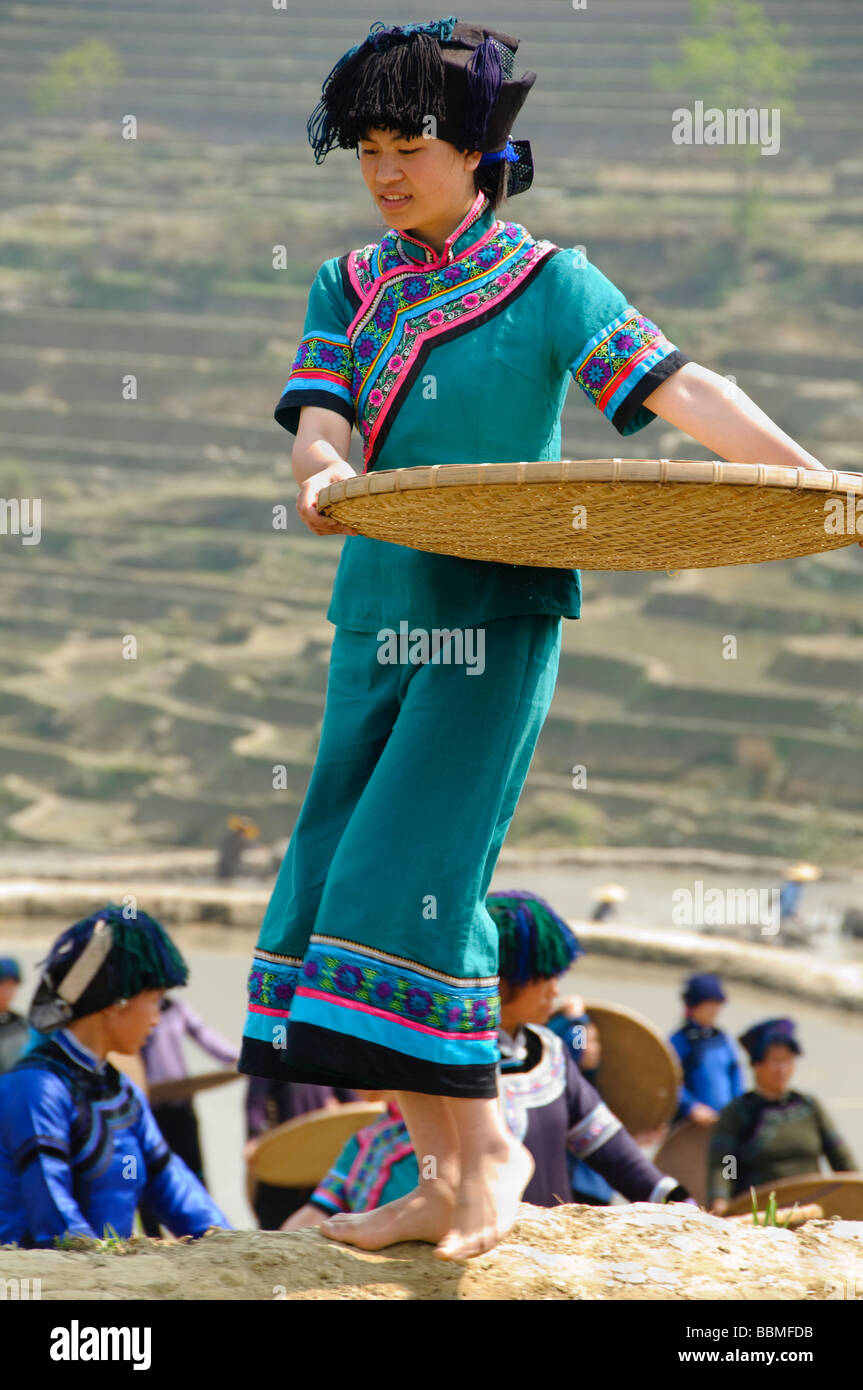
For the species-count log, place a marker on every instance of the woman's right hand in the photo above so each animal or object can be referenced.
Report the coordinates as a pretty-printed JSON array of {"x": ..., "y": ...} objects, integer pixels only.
[{"x": 316, "y": 522}]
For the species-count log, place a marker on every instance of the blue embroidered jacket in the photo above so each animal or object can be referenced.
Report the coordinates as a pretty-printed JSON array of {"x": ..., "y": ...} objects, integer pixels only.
[
  {"x": 79, "y": 1149},
  {"x": 711, "y": 1071}
]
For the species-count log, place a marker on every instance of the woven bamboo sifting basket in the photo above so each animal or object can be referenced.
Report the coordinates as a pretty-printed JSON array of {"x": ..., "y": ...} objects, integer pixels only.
[
  {"x": 639, "y": 1072},
  {"x": 628, "y": 514}
]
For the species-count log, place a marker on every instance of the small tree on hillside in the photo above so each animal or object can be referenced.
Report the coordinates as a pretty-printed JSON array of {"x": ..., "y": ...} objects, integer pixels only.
[
  {"x": 75, "y": 80},
  {"x": 739, "y": 63}
]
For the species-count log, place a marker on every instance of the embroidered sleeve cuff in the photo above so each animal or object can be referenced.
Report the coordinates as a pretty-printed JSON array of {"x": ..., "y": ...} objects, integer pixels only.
[
  {"x": 329, "y": 1194},
  {"x": 324, "y": 1202},
  {"x": 622, "y": 364},
  {"x": 321, "y": 375},
  {"x": 662, "y": 1189},
  {"x": 593, "y": 1131}
]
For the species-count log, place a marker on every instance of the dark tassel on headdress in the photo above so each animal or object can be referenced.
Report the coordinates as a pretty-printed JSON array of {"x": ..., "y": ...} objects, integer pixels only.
[
  {"x": 146, "y": 956},
  {"x": 484, "y": 78},
  {"x": 394, "y": 86}
]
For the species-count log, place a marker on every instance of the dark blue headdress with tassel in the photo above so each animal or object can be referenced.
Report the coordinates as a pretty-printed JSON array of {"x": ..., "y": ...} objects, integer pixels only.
[
  {"x": 103, "y": 958},
  {"x": 459, "y": 73}
]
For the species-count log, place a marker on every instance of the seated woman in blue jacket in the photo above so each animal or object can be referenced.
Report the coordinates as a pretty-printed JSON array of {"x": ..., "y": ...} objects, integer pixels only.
[{"x": 79, "y": 1147}]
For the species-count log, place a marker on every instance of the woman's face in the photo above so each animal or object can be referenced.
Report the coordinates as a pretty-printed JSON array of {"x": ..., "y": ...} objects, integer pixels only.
[
  {"x": 530, "y": 1003},
  {"x": 129, "y": 1025},
  {"x": 705, "y": 1013},
  {"x": 775, "y": 1071},
  {"x": 431, "y": 178},
  {"x": 7, "y": 993}
]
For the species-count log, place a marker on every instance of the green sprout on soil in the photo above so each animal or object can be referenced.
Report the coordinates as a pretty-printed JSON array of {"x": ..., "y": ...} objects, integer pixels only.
[
  {"x": 111, "y": 1240},
  {"x": 769, "y": 1211}
]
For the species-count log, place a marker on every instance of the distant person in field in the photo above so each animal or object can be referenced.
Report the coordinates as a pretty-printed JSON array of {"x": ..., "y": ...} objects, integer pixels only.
[
  {"x": 771, "y": 1132},
  {"x": 240, "y": 831},
  {"x": 791, "y": 892},
  {"x": 712, "y": 1074},
  {"x": 607, "y": 899}
]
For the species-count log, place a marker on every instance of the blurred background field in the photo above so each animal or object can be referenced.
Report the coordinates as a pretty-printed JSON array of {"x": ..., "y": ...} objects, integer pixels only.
[{"x": 153, "y": 257}]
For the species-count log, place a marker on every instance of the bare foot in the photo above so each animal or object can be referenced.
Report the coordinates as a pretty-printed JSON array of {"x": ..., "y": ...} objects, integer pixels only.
[
  {"x": 424, "y": 1214},
  {"x": 487, "y": 1203}
]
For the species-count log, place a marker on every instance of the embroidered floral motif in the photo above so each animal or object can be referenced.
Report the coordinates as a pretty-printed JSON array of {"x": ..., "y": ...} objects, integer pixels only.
[
  {"x": 321, "y": 362},
  {"x": 401, "y": 991},
  {"x": 405, "y": 305},
  {"x": 618, "y": 356},
  {"x": 322, "y": 357},
  {"x": 272, "y": 984}
]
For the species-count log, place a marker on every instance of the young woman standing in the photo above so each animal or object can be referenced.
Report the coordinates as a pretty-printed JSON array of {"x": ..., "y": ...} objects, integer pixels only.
[{"x": 451, "y": 340}]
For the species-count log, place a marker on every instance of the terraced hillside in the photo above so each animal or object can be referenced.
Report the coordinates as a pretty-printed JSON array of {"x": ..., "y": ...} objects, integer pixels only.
[{"x": 153, "y": 258}]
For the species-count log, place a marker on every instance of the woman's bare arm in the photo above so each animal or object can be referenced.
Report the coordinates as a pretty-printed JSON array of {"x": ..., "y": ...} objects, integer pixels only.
[
  {"x": 723, "y": 418},
  {"x": 319, "y": 458},
  {"x": 307, "y": 1216},
  {"x": 719, "y": 415}
]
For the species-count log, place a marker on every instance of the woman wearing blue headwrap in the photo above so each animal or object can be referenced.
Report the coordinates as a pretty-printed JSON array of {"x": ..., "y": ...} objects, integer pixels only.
[
  {"x": 79, "y": 1148},
  {"x": 772, "y": 1131}
]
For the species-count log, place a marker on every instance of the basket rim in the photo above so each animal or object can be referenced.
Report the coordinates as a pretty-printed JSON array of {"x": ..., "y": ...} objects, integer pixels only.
[{"x": 711, "y": 472}]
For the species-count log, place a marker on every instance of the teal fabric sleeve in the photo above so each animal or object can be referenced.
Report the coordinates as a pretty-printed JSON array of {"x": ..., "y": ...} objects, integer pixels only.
[
  {"x": 616, "y": 355},
  {"x": 323, "y": 366}
]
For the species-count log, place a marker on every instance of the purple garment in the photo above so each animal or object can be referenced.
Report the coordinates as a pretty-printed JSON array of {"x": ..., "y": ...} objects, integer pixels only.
[
  {"x": 270, "y": 1103},
  {"x": 162, "y": 1053},
  {"x": 554, "y": 1110}
]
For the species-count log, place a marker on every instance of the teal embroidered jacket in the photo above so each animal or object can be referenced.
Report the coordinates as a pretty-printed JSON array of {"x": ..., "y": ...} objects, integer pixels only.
[{"x": 465, "y": 357}]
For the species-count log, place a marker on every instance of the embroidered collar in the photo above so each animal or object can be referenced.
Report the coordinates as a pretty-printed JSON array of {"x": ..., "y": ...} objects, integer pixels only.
[
  {"x": 405, "y": 308},
  {"x": 701, "y": 1030},
  {"x": 476, "y": 222},
  {"x": 75, "y": 1049},
  {"x": 542, "y": 1084},
  {"x": 513, "y": 1047}
]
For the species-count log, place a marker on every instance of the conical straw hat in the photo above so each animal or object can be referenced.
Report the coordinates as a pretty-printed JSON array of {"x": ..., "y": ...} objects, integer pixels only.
[
  {"x": 803, "y": 873},
  {"x": 639, "y": 1072},
  {"x": 610, "y": 893},
  {"x": 627, "y": 514},
  {"x": 300, "y": 1152}
]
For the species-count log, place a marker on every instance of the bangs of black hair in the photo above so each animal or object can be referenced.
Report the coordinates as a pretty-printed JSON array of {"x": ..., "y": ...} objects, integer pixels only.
[{"x": 395, "y": 88}]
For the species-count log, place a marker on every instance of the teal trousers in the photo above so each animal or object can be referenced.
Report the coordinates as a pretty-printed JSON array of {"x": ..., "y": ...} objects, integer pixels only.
[{"x": 376, "y": 964}]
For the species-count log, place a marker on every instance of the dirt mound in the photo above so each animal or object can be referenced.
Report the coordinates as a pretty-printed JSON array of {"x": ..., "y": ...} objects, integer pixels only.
[{"x": 573, "y": 1252}]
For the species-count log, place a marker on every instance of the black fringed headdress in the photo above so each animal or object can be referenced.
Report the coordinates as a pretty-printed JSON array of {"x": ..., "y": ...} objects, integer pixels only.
[
  {"x": 459, "y": 73},
  {"x": 99, "y": 960}
]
